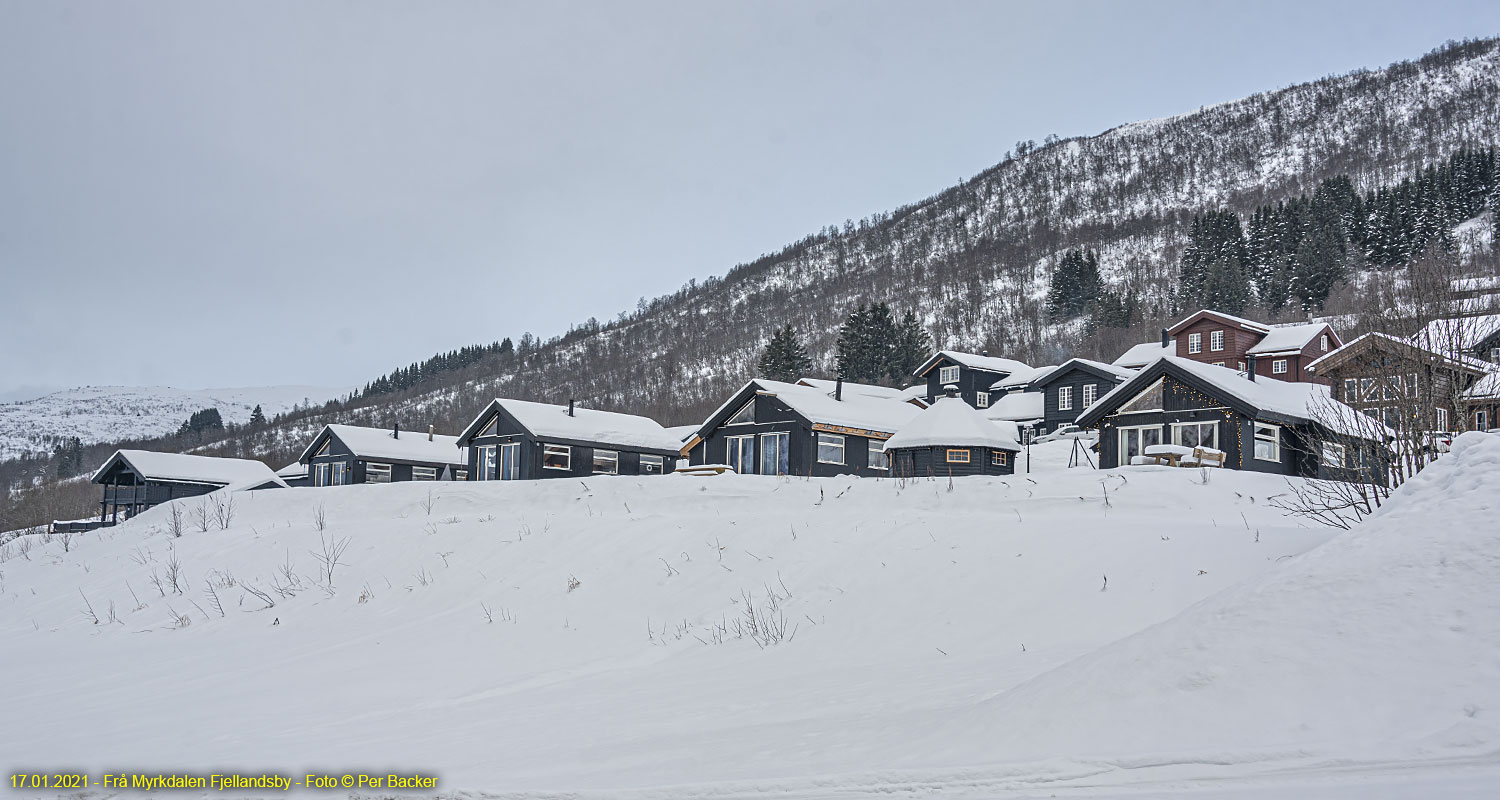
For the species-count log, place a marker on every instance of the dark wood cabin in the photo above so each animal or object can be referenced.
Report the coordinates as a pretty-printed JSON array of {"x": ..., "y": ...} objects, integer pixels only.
[
  {"x": 1404, "y": 385},
  {"x": 1073, "y": 386},
  {"x": 523, "y": 440},
  {"x": 135, "y": 480},
  {"x": 776, "y": 428},
  {"x": 1261, "y": 425},
  {"x": 973, "y": 375},
  {"x": 341, "y": 455},
  {"x": 952, "y": 439}
]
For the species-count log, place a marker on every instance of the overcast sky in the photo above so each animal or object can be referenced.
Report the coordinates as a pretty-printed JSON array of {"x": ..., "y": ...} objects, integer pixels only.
[{"x": 205, "y": 194}]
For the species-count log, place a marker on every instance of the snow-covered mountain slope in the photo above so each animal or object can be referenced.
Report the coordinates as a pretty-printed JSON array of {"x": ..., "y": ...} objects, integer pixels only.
[
  {"x": 593, "y": 635},
  {"x": 113, "y": 413}
]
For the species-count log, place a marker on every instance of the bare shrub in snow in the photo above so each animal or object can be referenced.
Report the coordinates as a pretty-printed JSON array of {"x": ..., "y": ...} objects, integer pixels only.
[
  {"x": 224, "y": 510},
  {"x": 174, "y": 576},
  {"x": 764, "y": 623},
  {"x": 320, "y": 518},
  {"x": 201, "y": 516},
  {"x": 88, "y": 608},
  {"x": 259, "y": 594},
  {"x": 328, "y": 556},
  {"x": 573, "y": 583},
  {"x": 23, "y": 546},
  {"x": 213, "y": 597},
  {"x": 427, "y": 502},
  {"x": 67, "y": 541},
  {"x": 175, "y": 521}
]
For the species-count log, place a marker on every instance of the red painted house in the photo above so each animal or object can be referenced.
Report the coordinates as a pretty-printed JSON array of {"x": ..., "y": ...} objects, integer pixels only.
[{"x": 1281, "y": 352}]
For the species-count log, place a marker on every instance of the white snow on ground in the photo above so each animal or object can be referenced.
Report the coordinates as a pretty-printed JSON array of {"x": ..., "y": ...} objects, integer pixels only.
[
  {"x": 951, "y": 640},
  {"x": 112, "y": 413}
]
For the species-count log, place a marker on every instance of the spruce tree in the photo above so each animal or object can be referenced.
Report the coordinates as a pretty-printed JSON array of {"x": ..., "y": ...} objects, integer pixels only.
[
  {"x": 257, "y": 417},
  {"x": 912, "y": 347},
  {"x": 784, "y": 359}
]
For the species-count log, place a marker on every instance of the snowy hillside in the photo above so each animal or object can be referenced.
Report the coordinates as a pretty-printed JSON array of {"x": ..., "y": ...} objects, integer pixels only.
[
  {"x": 112, "y": 413},
  {"x": 1072, "y": 634}
]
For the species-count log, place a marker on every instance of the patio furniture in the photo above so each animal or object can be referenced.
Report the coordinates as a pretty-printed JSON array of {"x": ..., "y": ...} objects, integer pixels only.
[{"x": 1168, "y": 454}]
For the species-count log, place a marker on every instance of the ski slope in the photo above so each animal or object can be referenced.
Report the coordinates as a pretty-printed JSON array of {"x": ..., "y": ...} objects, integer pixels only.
[{"x": 1135, "y": 633}]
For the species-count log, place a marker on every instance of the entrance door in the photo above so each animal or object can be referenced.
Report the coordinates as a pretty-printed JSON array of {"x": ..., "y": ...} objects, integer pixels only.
[
  {"x": 773, "y": 453},
  {"x": 1134, "y": 441},
  {"x": 739, "y": 452},
  {"x": 510, "y": 462}
]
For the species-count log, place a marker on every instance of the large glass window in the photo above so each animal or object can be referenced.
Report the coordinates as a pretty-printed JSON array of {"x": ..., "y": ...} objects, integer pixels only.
[
  {"x": 773, "y": 453},
  {"x": 878, "y": 458},
  {"x": 485, "y": 455},
  {"x": 1134, "y": 441},
  {"x": 340, "y": 473},
  {"x": 510, "y": 461},
  {"x": 744, "y": 416},
  {"x": 606, "y": 462},
  {"x": 1148, "y": 400},
  {"x": 739, "y": 454},
  {"x": 322, "y": 474},
  {"x": 1267, "y": 442},
  {"x": 830, "y": 448},
  {"x": 557, "y": 456},
  {"x": 652, "y": 465},
  {"x": 1196, "y": 434}
]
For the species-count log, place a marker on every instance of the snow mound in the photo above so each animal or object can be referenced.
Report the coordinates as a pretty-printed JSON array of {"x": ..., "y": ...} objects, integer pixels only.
[{"x": 1384, "y": 642}]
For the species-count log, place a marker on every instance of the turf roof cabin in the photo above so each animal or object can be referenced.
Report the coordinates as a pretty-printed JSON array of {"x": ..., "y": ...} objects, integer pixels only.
[
  {"x": 522, "y": 440},
  {"x": 135, "y": 480},
  {"x": 953, "y": 439},
  {"x": 1261, "y": 425},
  {"x": 347, "y": 454},
  {"x": 812, "y": 428},
  {"x": 972, "y": 375}
]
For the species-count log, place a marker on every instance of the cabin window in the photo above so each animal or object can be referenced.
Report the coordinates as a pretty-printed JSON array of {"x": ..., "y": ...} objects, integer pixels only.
[
  {"x": 1196, "y": 434},
  {"x": 948, "y": 375},
  {"x": 1090, "y": 393},
  {"x": 322, "y": 474},
  {"x": 1411, "y": 385},
  {"x": 830, "y": 448},
  {"x": 1368, "y": 389},
  {"x": 1323, "y": 342},
  {"x": 1267, "y": 442},
  {"x": 739, "y": 454},
  {"x": 1064, "y": 398},
  {"x": 606, "y": 462},
  {"x": 1148, "y": 400},
  {"x": 460, "y": 474},
  {"x": 773, "y": 453},
  {"x": 1351, "y": 390},
  {"x": 1278, "y": 367},
  {"x": 485, "y": 462},
  {"x": 981, "y": 399},
  {"x": 510, "y": 461},
  {"x": 1195, "y": 343},
  {"x": 1242, "y": 366},
  {"x": 1134, "y": 441},
  {"x": 878, "y": 458},
  {"x": 1218, "y": 363},
  {"x": 557, "y": 456},
  {"x": 1481, "y": 421},
  {"x": 1216, "y": 341},
  {"x": 1495, "y": 355},
  {"x": 424, "y": 473},
  {"x": 957, "y": 456},
  {"x": 1442, "y": 419},
  {"x": 377, "y": 473},
  {"x": 323, "y": 451},
  {"x": 745, "y": 416},
  {"x": 1393, "y": 387},
  {"x": 999, "y": 458},
  {"x": 1392, "y": 416},
  {"x": 340, "y": 473},
  {"x": 492, "y": 428},
  {"x": 652, "y": 465},
  {"x": 1333, "y": 454}
]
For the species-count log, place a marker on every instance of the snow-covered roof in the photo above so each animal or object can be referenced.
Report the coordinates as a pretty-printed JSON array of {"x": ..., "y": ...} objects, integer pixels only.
[
  {"x": 681, "y": 432},
  {"x": 1292, "y": 338},
  {"x": 382, "y": 444},
  {"x": 296, "y": 469},
  {"x": 951, "y": 422},
  {"x": 1247, "y": 324},
  {"x": 864, "y": 389},
  {"x": 1022, "y": 377},
  {"x": 1486, "y": 387},
  {"x": 548, "y": 421},
  {"x": 1017, "y": 407},
  {"x": 1144, "y": 353},
  {"x": 1403, "y": 345},
  {"x": 915, "y": 393},
  {"x": 184, "y": 468},
  {"x": 1121, "y": 373},
  {"x": 1458, "y": 333},
  {"x": 1311, "y": 402},
  {"x": 883, "y": 415},
  {"x": 986, "y": 363}
]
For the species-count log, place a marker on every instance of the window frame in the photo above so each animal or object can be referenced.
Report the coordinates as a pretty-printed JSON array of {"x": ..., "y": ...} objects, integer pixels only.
[
  {"x": 1278, "y": 367},
  {"x": 1323, "y": 342},
  {"x": 981, "y": 399},
  {"x": 1274, "y": 439},
  {"x": 553, "y": 449},
  {"x": 613, "y": 458},
  {"x": 1090, "y": 394},
  {"x": 1351, "y": 390},
  {"x": 1178, "y": 427},
  {"x": 648, "y": 460},
  {"x": 461, "y": 474},
  {"x": 734, "y": 419},
  {"x": 377, "y": 468},
  {"x": 322, "y": 474},
  {"x": 1411, "y": 384},
  {"x": 842, "y": 447},
  {"x": 738, "y": 462},
  {"x": 1195, "y": 343},
  {"x": 876, "y": 450},
  {"x": 1327, "y": 448},
  {"x": 485, "y": 455},
  {"x": 1122, "y": 433},
  {"x": 944, "y": 372},
  {"x": 999, "y": 458},
  {"x": 1065, "y": 398},
  {"x": 1442, "y": 418},
  {"x": 420, "y": 470},
  {"x": 1216, "y": 341},
  {"x": 951, "y": 456}
]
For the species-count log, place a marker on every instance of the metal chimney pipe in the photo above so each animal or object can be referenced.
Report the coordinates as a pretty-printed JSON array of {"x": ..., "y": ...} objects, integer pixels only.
[
  {"x": 429, "y": 433},
  {"x": 1250, "y": 366},
  {"x": 838, "y": 389},
  {"x": 570, "y": 406},
  {"x": 1166, "y": 339},
  {"x": 396, "y": 431}
]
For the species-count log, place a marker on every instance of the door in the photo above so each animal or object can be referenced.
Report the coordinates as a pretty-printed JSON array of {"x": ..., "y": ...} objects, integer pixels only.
[
  {"x": 773, "y": 453},
  {"x": 739, "y": 453},
  {"x": 510, "y": 462},
  {"x": 485, "y": 462},
  {"x": 340, "y": 473},
  {"x": 1134, "y": 441}
]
